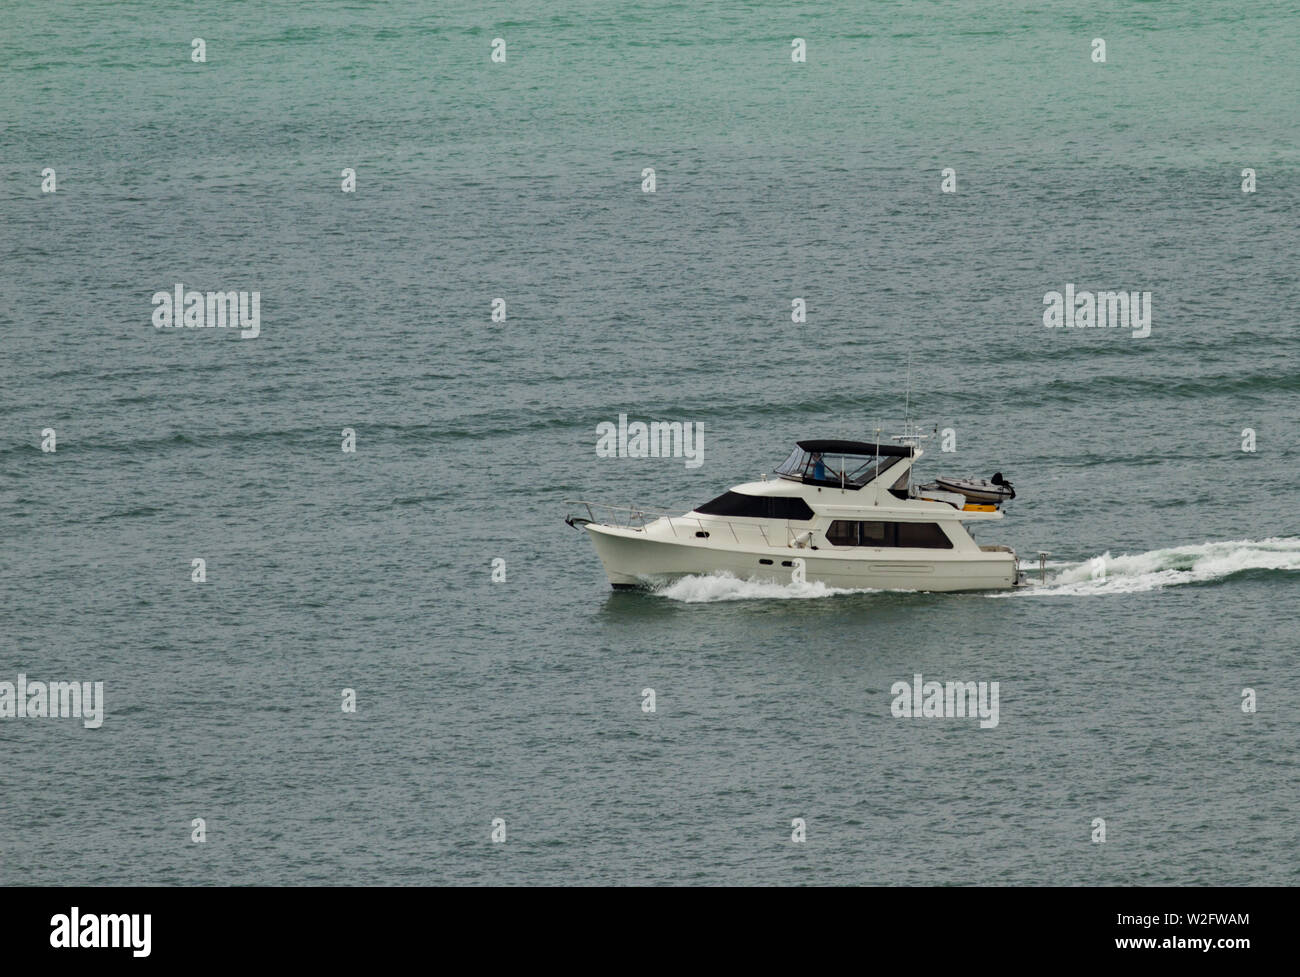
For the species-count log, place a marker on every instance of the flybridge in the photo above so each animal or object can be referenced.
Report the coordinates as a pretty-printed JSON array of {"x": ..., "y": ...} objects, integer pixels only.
[{"x": 843, "y": 464}]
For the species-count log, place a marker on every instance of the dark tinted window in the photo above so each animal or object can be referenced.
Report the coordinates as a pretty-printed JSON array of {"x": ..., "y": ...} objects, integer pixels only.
[
  {"x": 842, "y": 532},
  {"x": 757, "y": 507},
  {"x": 923, "y": 535},
  {"x": 794, "y": 509},
  {"x": 877, "y": 533}
]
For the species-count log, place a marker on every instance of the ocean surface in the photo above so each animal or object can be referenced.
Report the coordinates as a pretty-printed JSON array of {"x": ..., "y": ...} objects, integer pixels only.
[{"x": 521, "y": 700}]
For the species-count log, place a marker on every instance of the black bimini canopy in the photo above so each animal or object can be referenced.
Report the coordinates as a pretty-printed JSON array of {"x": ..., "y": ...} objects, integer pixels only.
[{"x": 856, "y": 448}]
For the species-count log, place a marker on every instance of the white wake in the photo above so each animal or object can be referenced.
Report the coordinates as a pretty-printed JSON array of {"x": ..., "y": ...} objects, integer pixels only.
[
  {"x": 1139, "y": 572},
  {"x": 709, "y": 588}
]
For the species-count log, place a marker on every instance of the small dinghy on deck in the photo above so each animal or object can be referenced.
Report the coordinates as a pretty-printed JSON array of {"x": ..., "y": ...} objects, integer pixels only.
[{"x": 982, "y": 492}]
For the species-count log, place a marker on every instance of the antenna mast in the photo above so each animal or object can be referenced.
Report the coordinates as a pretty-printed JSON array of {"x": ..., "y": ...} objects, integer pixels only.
[
  {"x": 907, "y": 403},
  {"x": 910, "y": 436}
]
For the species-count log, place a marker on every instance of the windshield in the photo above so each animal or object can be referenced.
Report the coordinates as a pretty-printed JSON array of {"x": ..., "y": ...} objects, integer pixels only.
[{"x": 834, "y": 468}]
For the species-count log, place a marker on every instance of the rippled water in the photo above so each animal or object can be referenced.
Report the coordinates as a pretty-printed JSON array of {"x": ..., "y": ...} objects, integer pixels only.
[{"x": 522, "y": 700}]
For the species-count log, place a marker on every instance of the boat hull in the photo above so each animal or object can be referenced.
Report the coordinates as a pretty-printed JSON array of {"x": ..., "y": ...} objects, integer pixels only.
[{"x": 634, "y": 558}]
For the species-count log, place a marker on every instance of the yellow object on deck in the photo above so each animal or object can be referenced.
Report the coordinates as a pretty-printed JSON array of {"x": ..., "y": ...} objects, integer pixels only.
[{"x": 972, "y": 507}]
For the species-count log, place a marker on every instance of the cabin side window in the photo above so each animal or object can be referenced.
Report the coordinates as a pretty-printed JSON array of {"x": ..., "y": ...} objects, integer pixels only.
[
  {"x": 842, "y": 532},
  {"x": 918, "y": 535},
  {"x": 876, "y": 533},
  {"x": 926, "y": 535}
]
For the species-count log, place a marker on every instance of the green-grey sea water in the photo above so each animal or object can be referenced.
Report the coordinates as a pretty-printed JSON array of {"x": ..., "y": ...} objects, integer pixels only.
[{"x": 1121, "y": 698}]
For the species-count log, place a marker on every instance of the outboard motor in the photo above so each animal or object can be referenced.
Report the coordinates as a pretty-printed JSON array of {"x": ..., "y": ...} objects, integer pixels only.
[{"x": 997, "y": 479}]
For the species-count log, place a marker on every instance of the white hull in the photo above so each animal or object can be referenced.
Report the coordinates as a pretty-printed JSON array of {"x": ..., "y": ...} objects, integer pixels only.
[
  {"x": 633, "y": 557},
  {"x": 850, "y": 522}
]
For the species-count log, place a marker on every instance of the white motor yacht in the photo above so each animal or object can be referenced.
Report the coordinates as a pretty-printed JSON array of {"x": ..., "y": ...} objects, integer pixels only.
[{"x": 844, "y": 513}]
